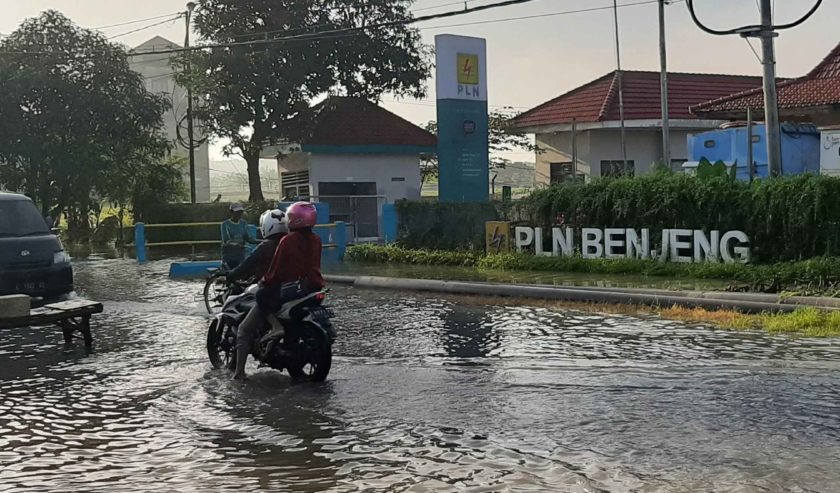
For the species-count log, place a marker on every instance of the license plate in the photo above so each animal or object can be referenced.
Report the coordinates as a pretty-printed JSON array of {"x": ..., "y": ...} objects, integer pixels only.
[{"x": 30, "y": 286}]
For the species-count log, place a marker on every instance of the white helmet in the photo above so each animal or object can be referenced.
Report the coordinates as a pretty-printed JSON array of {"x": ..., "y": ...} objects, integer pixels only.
[{"x": 273, "y": 222}]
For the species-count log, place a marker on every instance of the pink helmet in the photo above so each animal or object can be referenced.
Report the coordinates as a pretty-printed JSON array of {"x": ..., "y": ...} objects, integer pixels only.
[{"x": 301, "y": 215}]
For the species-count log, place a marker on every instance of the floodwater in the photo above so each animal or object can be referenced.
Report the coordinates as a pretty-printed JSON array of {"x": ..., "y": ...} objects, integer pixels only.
[{"x": 427, "y": 394}]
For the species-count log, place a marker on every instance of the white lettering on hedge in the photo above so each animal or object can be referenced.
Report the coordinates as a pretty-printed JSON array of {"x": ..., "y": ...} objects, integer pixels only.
[
  {"x": 732, "y": 254},
  {"x": 524, "y": 237},
  {"x": 613, "y": 242},
  {"x": 563, "y": 244},
  {"x": 592, "y": 247},
  {"x": 676, "y": 245},
  {"x": 636, "y": 247}
]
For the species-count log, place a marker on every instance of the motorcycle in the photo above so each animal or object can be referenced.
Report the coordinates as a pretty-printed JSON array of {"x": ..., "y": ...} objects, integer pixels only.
[{"x": 303, "y": 348}]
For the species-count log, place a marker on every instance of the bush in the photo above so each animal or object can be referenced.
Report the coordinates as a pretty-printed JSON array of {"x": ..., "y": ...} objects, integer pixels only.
[
  {"x": 819, "y": 274},
  {"x": 445, "y": 226},
  {"x": 788, "y": 218},
  {"x": 397, "y": 255}
]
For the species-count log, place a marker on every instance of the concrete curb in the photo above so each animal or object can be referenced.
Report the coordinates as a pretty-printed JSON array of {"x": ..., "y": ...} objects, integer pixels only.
[{"x": 743, "y": 302}]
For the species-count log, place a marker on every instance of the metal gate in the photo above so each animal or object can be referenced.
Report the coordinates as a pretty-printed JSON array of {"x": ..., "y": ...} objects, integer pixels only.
[{"x": 355, "y": 205}]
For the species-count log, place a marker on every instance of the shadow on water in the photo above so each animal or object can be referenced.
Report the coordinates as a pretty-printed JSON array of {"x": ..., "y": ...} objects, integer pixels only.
[{"x": 427, "y": 394}]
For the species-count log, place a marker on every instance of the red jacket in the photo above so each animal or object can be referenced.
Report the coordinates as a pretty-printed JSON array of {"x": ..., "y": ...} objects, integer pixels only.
[{"x": 297, "y": 258}]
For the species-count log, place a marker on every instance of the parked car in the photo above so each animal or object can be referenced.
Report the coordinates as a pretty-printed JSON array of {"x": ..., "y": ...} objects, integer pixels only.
[{"x": 32, "y": 258}]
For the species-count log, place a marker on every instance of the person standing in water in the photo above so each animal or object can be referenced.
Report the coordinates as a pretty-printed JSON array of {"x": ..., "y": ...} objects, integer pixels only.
[{"x": 234, "y": 237}]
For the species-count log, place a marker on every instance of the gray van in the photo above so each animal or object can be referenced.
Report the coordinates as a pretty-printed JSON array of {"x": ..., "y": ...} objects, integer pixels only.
[{"x": 32, "y": 258}]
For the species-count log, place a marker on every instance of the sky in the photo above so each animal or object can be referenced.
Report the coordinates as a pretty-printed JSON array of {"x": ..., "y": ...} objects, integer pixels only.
[{"x": 536, "y": 59}]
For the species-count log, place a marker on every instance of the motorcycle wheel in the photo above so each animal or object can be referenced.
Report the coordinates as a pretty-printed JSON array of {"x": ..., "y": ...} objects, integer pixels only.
[
  {"x": 316, "y": 368},
  {"x": 219, "y": 358}
]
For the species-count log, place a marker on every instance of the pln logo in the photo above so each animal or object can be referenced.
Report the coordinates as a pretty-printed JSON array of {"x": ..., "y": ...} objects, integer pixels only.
[{"x": 468, "y": 69}]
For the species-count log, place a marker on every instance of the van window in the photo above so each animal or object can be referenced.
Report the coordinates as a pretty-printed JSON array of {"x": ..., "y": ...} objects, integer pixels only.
[{"x": 21, "y": 218}]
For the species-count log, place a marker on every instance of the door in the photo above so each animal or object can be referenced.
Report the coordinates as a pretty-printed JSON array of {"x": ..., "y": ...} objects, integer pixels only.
[{"x": 353, "y": 202}]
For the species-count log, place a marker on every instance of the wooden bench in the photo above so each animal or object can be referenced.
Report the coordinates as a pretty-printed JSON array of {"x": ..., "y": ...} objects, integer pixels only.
[{"x": 71, "y": 316}]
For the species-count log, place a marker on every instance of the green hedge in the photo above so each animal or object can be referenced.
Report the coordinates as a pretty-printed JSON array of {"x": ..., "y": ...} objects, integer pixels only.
[
  {"x": 789, "y": 218},
  {"x": 445, "y": 226},
  {"x": 818, "y": 274}
]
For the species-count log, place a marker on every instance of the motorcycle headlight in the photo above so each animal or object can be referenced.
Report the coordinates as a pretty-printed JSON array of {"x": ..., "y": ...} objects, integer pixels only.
[{"x": 61, "y": 257}]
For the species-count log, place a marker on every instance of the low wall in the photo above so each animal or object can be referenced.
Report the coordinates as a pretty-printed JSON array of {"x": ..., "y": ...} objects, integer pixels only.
[{"x": 713, "y": 300}]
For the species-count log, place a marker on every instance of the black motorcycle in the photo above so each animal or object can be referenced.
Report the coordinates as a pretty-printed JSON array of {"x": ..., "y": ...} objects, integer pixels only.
[{"x": 304, "y": 348}]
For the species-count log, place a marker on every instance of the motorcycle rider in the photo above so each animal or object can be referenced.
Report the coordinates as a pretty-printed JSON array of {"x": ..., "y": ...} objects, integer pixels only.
[
  {"x": 295, "y": 271},
  {"x": 274, "y": 228}
]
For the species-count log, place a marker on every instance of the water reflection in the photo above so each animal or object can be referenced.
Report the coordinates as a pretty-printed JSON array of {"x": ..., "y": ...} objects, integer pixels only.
[{"x": 427, "y": 394}]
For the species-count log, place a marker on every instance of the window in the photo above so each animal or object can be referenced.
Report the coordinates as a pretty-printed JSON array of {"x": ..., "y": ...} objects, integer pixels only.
[
  {"x": 295, "y": 185},
  {"x": 21, "y": 218},
  {"x": 618, "y": 168},
  {"x": 560, "y": 172}
]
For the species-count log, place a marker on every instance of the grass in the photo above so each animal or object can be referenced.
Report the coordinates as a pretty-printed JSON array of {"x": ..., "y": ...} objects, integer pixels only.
[
  {"x": 806, "y": 277},
  {"x": 806, "y": 322}
]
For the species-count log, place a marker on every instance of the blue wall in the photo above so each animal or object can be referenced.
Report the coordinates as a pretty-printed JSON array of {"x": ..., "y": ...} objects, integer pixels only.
[
  {"x": 800, "y": 149},
  {"x": 463, "y": 156}
]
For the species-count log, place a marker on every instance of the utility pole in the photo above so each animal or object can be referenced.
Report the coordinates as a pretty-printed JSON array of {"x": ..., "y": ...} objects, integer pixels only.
[
  {"x": 663, "y": 87},
  {"x": 620, "y": 82},
  {"x": 771, "y": 102},
  {"x": 190, "y": 136},
  {"x": 766, "y": 31},
  {"x": 574, "y": 150},
  {"x": 750, "y": 163}
]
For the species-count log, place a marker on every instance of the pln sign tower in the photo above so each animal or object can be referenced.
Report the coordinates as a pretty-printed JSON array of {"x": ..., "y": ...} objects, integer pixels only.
[{"x": 463, "y": 153}]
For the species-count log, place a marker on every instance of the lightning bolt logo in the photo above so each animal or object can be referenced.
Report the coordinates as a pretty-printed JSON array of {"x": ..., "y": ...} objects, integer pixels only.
[{"x": 468, "y": 68}]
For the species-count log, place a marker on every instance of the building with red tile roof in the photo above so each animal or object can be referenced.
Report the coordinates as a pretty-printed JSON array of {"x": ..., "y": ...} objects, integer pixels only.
[
  {"x": 814, "y": 97},
  {"x": 358, "y": 156},
  {"x": 594, "y": 109}
]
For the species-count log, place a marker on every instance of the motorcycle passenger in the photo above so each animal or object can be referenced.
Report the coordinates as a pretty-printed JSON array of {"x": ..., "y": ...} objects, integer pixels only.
[
  {"x": 295, "y": 271},
  {"x": 234, "y": 236},
  {"x": 273, "y": 228}
]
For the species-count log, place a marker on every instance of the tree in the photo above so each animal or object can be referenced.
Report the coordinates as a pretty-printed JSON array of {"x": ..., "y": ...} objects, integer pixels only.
[
  {"x": 77, "y": 123},
  {"x": 503, "y": 138},
  {"x": 259, "y": 94}
]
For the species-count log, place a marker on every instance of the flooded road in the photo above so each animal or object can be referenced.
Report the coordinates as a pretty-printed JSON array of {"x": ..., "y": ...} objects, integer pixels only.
[{"x": 427, "y": 394}]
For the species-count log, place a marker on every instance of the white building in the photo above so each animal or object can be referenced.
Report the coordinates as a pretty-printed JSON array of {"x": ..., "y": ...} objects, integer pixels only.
[
  {"x": 159, "y": 75},
  {"x": 593, "y": 109},
  {"x": 358, "y": 157}
]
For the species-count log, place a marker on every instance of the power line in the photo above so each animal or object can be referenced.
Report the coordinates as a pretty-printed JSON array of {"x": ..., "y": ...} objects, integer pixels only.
[
  {"x": 757, "y": 56},
  {"x": 354, "y": 30},
  {"x": 171, "y": 19},
  {"x": 349, "y": 30},
  {"x": 128, "y": 23},
  {"x": 547, "y": 14},
  {"x": 441, "y": 5}
]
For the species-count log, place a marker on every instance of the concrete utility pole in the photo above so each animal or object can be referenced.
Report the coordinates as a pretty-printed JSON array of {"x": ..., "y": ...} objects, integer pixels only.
[
  {"x": 190, "y": 135},
  {"x": 663, "y": 84},
  {"x": 766, "y": 31},
  {"x": 620, "y": 81},
  {"x": 771, "y": 101}
]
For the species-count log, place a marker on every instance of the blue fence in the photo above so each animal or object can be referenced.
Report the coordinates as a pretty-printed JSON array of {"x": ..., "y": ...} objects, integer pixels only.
[{"x": 333, "y": 236}]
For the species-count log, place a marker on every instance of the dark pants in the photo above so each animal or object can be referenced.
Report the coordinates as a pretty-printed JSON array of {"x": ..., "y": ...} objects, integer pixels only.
[{"x": 233, "y": 255}]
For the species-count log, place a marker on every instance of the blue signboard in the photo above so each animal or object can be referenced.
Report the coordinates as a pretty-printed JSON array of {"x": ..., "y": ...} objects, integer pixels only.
[{"x": 463, "y": 153}]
